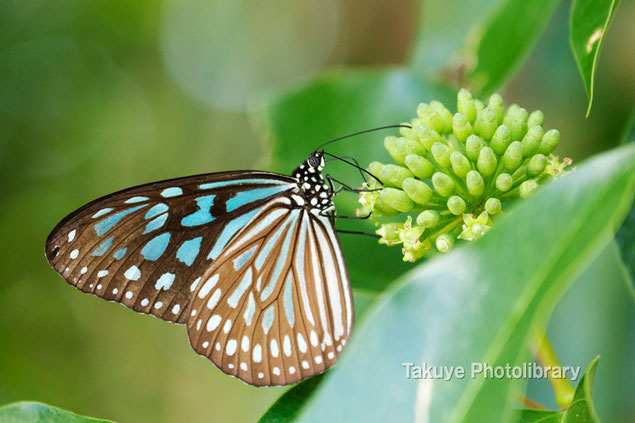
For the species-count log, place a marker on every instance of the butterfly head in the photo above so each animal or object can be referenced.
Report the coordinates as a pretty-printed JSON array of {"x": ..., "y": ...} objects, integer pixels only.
[{"x": 312, "y": 188}]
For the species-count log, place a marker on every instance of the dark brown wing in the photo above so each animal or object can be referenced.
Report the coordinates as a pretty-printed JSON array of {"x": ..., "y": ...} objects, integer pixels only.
[{"x": 147, "y": 247}]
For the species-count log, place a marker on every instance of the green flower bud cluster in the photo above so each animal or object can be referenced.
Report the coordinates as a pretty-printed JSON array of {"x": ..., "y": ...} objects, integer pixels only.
[{"x": 456, "y": 173}]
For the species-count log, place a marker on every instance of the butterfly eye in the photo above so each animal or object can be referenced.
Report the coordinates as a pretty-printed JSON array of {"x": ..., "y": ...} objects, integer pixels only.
[{"x": 314, "y": 160}]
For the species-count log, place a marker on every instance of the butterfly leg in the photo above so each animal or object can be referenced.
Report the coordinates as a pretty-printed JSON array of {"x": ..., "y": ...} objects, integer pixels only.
[
  {"x": 342, "y": 186},
  {"x": 358, "y": 233},
  {"x": 352, "y": 217}
]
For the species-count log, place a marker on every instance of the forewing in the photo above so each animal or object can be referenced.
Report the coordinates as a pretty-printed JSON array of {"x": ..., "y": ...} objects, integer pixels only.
[
  {"x": 275, "y": 307},
  {"x": 147, "y": 247}
]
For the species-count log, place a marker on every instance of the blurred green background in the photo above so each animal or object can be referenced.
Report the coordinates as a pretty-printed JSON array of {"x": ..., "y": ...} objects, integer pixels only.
[{"x": 100, "y": 95}]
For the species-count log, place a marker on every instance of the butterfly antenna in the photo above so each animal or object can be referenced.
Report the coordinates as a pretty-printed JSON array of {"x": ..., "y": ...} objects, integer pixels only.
[
  {"x": 361, "y": 169},
  {"x": 354, "y": 161},
  {"x": 362, "y": 132}
]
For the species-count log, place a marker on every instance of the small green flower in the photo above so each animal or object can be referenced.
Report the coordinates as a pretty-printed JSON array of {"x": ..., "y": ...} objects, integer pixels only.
[
  {"x": 556, "y": 168},
  {"x": 389, "y": 233},
  {"x": 458, "y": 172},
  {"x": 474, "y": 228}
]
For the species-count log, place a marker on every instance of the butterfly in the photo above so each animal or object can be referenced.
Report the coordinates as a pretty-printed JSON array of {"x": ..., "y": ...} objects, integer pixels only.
[{"x": 248, "y": 260}]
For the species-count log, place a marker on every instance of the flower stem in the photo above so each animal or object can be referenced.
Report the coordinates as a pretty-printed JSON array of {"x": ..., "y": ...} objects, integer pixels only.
[{"x": 545, "y": 353}]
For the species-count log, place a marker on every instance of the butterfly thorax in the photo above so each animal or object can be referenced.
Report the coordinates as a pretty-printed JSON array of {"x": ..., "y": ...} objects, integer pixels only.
[{"x": 313, "y": 193}]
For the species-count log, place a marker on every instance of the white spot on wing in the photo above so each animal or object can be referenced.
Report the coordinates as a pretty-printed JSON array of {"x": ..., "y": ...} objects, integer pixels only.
[
  {"x": 231, "y": 346},
  {"x": 213, "y": 322},
  {"x": 133, "y": 273},
  {"x": 257, "y": 356},
  {"x": 207, "y": 287}
]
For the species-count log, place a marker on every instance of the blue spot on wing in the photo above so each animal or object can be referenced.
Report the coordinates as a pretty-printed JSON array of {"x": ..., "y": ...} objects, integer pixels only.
[
  {"x": 202, "y": 215},
  {"x": 107, "y": 224},
  {"x": 220, "y": 184},
  {"x": 245, "y": 197},
  {"x": 189, "y": 250},
  {"x": 171, "y": 192},
  {"x": 155, "y": 247},
  {"x": 118, "y": 255},
  {"x": 156, "y": 210},
  {"x": 103, "y": 247},
  {"x": 229, "y": 231},
  {"x": 156, "y": 223},
  {"x": 135, "y": 200},
  {"x": 102, "y": 212}
]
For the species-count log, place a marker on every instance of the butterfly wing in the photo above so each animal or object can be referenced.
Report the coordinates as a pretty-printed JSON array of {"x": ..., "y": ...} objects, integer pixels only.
[
  {"x": 276, "y": 306},
  {"x": 147, "y": 247}
]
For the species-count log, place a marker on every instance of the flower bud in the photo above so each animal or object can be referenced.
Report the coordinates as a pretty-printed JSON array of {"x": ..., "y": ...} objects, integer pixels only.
[
  {"x": 456, "y": 205},
  {"x": 444, "y": 242},
  {"x": 393, "y": 175},
  {"x": 389, "y": 233},
  {"x": 473, "y": 146},
  {"x": 536, "y": 118},
  {"x": 504, "y": 182},
  {"x": 549, "y": 142},
  {"x": 443, "y": 184},
  {"x": 428, "y": 218},
  {"x": 461, "y": 127},
  {"x": 430, "y": 117},
  {"x": 406, "y": 132},
  {"x": 375, "y": 168},
  {"x": 516, "y": 121},
  {"x": 441, "y": 154},
  {"x": 475, "y": 183},
  {"x": 527, "y": 187},
  {"x": 382, "y": 209},
  {"x": 418, "y": 191},
  {"x": 493, "y": 206},
  {"x": 428, "y": 136},
  {"x": 495, "y": 104},
  {"x": 479, "y": 106},
  {"x": 501, "y": 140},
  {"x": 486, "y": 124},
  {"x": 460, "y": 164},
  {"x": 445, "y": 114},
  {"x": 486, "y": 162},
  {"x": 513, "y": 156},
  {"x": 531, "y": 141},
  {"x": 536, "y": 165},
  {"x": 397, "y": 199},
  {"x": 466, "y": 105},
  {"x": 399, "y": 148},
  {"x": 420, "y": 166}
]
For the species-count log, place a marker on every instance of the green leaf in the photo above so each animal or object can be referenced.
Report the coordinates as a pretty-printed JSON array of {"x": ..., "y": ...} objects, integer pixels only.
[
  {"x": 477, "y": 304},
  {"x": 540, "y": 416},
  {"x": 507, "y": 38},
  {"x": 337, "y": 104},
  {"x": 443, "y": 29},
  {"x": 581, "y": 409},
  {"x": 35, "y": 412},
  {"x": 590, "y": 20},
  {"x": 626, "y": 234},
  {"x": 288, "y": 406}
]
